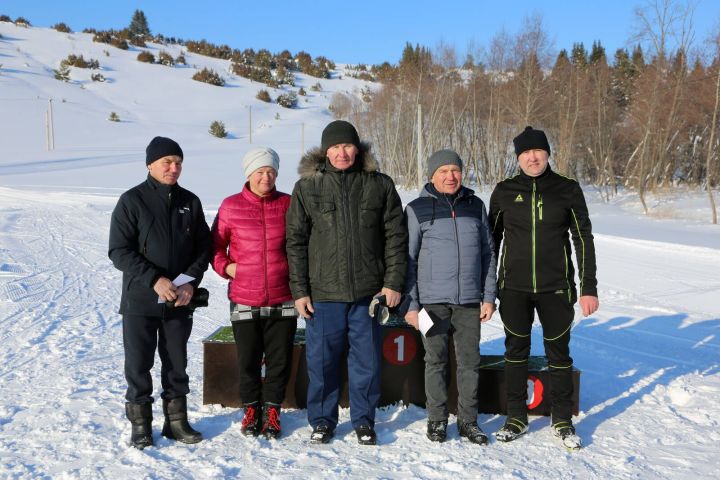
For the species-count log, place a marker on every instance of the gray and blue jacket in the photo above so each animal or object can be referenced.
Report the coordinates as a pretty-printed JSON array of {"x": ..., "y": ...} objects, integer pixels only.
[{"x": 451, "y": 252}]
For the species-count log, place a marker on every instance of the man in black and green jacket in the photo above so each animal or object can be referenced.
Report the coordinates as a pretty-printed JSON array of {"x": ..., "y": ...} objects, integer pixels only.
[
  {"x": 531, "y": 215},
  {"x": 346, "y": 242}
]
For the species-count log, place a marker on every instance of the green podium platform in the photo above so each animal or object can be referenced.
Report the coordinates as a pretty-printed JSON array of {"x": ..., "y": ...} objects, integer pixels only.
[{"x": 402, "y": 374}]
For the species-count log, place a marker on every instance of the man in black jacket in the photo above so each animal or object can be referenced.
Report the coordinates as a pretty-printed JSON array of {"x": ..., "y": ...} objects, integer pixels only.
[
  {"x": 531, "y": 214},
  {"x": 158, "y": 232},
  {"x": 346, "y": 242}
]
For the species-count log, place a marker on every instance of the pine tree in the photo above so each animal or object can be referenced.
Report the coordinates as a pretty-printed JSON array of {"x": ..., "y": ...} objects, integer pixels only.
[
  {"x": 217, "y": 129},
  {"x": 562, "y": 63},
  {"x": 638, "y": 58},
  {"x": 597, "y": 54},
  {"x": 139, "y": 25},
  {"x": 415, "y": 61},
  {"x": 624, "y": 73},
  {"x": 579, "y": 56},
  {"x": 62, "y": 73},
  {"x": 287, "y": 100}
]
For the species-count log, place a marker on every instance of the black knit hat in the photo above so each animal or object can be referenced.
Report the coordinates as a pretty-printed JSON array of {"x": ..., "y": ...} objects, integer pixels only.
[
  {"x": 443, "y": 157},
  {"x": 531, "y": 139},
  {"x": 337, "y": 132},
  {"x": 160, "y": 147}
]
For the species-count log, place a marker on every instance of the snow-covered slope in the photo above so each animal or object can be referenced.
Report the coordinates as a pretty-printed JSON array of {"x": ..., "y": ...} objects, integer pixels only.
[
  {"x": 649, "y": 357},
  {"x": 150, "y": 99}
]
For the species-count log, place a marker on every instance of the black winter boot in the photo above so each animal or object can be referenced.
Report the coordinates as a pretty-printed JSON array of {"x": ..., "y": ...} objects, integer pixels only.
[
  {"x": 176, "y": 425},
  {"x": 271, "y": 416},
  {"x": 252, "y": 422},
  {"x": 436, "y": 430},
  {"x": 140, "y": 416},
  {"x": 513, "y": 428},
  {"x": 472, "y": 432}
]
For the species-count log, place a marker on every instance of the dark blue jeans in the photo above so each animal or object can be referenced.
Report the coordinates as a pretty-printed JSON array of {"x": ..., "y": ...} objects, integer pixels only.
[{"x": 333, "y": 327}]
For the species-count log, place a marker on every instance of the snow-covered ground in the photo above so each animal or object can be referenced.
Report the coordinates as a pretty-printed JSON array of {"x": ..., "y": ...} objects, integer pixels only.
[{"x": 649, "y": 357}]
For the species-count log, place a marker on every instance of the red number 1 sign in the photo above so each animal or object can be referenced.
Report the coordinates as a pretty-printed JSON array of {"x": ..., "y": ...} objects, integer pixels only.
[{"x": 399, "y": 347}]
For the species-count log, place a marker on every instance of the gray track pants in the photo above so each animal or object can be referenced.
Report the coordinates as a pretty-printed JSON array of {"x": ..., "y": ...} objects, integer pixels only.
[{"x": 465, "y": 322}]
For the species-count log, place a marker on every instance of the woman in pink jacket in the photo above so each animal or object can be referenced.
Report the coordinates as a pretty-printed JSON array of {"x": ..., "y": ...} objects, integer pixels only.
[{"x": 249, "y": 250}]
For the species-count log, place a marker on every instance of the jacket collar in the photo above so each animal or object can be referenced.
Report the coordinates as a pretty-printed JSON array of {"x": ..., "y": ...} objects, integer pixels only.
[
  {"x": 161, "y": 188},
  {"x": 249, "y": 195},
  {"x": 528, "y": 178},
  {"x": 315, "y": 163},
  {"x": 429, "y": 190}
]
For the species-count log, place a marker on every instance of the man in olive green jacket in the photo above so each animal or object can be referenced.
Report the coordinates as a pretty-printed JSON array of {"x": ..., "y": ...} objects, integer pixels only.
[{"x": 346, "y": 243}]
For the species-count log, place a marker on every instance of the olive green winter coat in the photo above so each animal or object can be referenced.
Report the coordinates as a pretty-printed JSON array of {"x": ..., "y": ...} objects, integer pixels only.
[{"x": 346, "y": 237}]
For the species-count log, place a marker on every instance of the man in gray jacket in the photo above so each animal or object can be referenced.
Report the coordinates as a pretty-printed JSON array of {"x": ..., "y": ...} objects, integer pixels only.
[{"x": 451, "y": 275}]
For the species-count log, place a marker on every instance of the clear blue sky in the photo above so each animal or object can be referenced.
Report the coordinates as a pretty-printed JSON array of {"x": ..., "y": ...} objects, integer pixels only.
[{"x": 366, "y": 31}]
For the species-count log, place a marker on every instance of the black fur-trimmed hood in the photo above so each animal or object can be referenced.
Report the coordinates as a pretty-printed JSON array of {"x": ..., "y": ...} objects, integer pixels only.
[{"x": 313, "y": 162}]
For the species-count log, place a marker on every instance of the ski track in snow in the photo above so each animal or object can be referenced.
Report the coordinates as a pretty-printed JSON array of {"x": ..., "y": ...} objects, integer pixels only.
[
  {"x": 649, "y": 357},
  {"x": 649, "y": 361}
]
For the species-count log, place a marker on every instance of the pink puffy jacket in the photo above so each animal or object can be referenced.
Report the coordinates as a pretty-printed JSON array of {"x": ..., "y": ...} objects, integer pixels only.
[{"x": 250, "y": 231}]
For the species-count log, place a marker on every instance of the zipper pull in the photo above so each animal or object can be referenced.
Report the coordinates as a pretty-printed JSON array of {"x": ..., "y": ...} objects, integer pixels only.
[{"x": 540, "y": 205}]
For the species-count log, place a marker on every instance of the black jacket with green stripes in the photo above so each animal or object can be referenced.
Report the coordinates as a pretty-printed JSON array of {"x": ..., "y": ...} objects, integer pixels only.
[{"x": 531, "y": 217}]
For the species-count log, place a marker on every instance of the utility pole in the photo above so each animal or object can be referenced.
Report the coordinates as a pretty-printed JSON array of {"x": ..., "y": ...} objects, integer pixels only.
[
  {"x": 420, "y": 180},
  {"x": 49, "y": 128}
]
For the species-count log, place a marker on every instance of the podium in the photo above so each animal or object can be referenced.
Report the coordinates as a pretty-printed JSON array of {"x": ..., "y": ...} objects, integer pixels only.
[{"x": 402, "y": 375}]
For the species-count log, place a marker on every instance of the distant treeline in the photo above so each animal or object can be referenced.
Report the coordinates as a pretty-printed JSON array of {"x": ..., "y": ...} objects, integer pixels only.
[{"x": 643, "y": 119}]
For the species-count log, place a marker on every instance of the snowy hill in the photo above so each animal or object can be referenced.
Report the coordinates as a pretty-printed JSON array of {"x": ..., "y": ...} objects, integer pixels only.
[
  {"x": 150, "y": 99},
  {"x": 649, "y": 357}
]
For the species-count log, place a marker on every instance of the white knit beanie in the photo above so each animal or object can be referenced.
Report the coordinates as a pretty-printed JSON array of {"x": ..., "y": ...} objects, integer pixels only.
[{"x": 260, "y": 157}]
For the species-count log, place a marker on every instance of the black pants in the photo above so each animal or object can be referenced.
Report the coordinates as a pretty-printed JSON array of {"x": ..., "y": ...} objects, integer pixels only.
[
  {"x": 141, "y": 335},
  {"x": 272, "y": 336},
  {"x": 556, "y": 313}
]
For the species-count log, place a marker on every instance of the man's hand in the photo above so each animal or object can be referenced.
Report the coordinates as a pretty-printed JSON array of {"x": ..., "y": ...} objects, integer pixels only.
[
  {"x": 231, "y": 269},
  {"x": 392, "y": 298},
  {"x": 411, "y": 317},
  {"x": 165, "y": 289},
  {"x": 589, "y": 304},
  {"x": 304, "y": 307},
  {"x": 486, "y": 311},
  {"x": 184, "y": 295}
]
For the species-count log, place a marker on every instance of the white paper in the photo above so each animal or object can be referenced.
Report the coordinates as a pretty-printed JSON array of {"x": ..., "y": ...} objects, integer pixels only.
[
  {"x": 182, "y": 279},
  {"x": 424, "y": 321},
  {"x": 179, "y": 281}
]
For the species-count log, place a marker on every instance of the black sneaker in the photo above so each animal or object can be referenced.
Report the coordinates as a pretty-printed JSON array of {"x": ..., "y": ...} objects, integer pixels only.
[
  {"x": 366, "y": 435},
  {"x": 321, "y": 434},
  {"x": 472, "y": 432},
  {"x": 437, "y": 430},
  {"x": 513, "y": 428},
  {"x": 566, "y": 433},
  {"x": 252, "y": 421},
  {"x": 271, "y": 427}
]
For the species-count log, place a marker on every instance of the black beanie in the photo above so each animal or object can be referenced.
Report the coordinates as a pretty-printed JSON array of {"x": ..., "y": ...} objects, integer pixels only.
[
  {"x": 443, "y": 157},
  {"x": 160, "y": 147},
  {"x": 531, "y": 139},
  {"x": 337, "y": 132}
]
